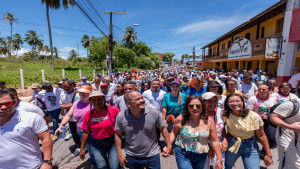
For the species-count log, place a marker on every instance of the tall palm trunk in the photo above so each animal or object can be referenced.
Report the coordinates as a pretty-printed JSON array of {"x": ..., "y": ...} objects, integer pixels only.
[
  {"x": 50, "y": 36},
  {"x": 10, "y": 43},
  {"x": 32, "y": 55}
]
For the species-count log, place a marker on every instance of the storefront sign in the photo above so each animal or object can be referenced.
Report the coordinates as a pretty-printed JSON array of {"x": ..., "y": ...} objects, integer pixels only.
[
  {"x": 273, "y": 47},
  {"x": 240, "y": 48}
]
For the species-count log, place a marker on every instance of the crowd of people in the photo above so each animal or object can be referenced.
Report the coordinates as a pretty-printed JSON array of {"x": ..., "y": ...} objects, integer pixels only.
[{"x": 206, "y": 118}]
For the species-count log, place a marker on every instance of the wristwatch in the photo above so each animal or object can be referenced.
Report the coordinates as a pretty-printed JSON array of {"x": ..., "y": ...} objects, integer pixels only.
[
  {"x": 48, "y": 161},
  {"x": 269, "y": 156}
]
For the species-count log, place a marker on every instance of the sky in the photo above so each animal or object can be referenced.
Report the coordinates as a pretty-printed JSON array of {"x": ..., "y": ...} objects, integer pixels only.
[{"x": 165, "y": 25}]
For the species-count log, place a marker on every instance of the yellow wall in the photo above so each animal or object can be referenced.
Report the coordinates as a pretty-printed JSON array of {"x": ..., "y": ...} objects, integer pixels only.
[{"x": 270, "y": 25}]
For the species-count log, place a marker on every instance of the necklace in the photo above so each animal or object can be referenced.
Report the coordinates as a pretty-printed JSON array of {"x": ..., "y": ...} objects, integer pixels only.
[{"x": 98, "y": 119}]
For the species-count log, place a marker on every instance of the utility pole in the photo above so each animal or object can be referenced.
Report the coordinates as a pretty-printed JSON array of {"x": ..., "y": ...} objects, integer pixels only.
[
  {"x": 77, "y": 50},
  {"x": 194, "y": 58},
  {"x": 110, "y": 69}
]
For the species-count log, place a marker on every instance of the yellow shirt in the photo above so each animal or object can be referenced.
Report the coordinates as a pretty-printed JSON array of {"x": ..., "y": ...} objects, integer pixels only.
[
  {"x": 226, "y": 93},
  {"x": 242, "y": 127}
]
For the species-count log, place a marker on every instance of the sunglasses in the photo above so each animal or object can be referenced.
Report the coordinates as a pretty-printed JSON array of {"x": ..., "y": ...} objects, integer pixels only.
[
  {"x": 8, "y": 104},
  {"x": 230, "y": 84},
  {"x": 191, "y": 106}
]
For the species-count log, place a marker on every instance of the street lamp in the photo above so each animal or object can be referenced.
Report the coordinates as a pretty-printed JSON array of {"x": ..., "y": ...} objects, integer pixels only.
[{"x": 136, "y": 24}]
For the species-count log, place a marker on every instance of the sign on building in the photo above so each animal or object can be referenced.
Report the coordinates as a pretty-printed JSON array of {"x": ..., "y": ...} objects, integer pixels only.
[
  {"x": 273, "y": 47},
  {"x": 240, "y": 48}
]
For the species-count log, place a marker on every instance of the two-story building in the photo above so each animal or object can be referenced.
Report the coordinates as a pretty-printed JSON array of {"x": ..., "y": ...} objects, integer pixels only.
[{"x": 268, "y": 23}]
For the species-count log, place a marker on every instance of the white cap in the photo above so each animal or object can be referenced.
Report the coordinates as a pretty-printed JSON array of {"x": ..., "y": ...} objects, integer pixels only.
[{"x": 209, "y": 95}]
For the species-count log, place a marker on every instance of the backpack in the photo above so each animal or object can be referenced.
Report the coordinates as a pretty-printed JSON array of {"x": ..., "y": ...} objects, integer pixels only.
[{"x": 294, "y": 112}]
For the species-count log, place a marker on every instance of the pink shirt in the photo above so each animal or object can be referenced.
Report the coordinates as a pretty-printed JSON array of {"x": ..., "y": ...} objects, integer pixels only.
[
  {"x": 80, "y": 108},
  {"x": 102, "y": 124}
]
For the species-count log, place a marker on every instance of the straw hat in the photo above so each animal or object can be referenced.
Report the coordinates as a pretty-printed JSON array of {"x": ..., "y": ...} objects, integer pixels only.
[
  {"x": 96, "y": 93},
  {"x": 85, "y": 89}
]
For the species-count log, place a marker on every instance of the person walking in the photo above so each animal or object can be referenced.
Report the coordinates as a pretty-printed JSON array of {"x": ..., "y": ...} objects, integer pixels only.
[
  {"x": 284, "y": 93},
  {"x": 295, "y": 81},
  {"x": 138, "y": 124},
  {"x": 191, "y": 133},
  {"x": 100, "y": 122},
  {"x": 172, "y": 105},
  {"x": 243, "y": 127}
]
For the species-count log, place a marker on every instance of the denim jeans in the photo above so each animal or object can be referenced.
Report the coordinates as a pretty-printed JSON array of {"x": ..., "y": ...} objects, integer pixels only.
[
  {"x": 105, "y": 153},
  {"x": 189, "y": 160},
  {"x": 88, "y": 146},
  {"x": 249, "y": 151},
  {"x": 141, "y": 162},
  {"x": 55, "y": 119}
]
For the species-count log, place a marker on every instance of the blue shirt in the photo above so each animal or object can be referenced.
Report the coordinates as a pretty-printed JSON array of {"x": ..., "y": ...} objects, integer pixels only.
[
  {"x": 192, "y": 91},
  {"x": 254, "y": 78}
]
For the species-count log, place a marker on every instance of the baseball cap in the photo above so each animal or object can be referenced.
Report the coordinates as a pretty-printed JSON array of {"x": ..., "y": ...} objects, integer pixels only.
[
  {"x": 209, "y": 95},
  {"x": 46, "y": 85},
  {"x": 96, "y": 93},
  {"x": 103, "y": 84},
  {"x": 171, "y": 74},
  {"x": 222, "y": 76},
  {"x": 175, "y": 82},
  {"x": 170, "y": 78},
  {"x": 83, "y": 78},
  {"x": 84, "y": 89},
  {"x": 297, "y": 68},
  {"x": 259, "y": 71}
]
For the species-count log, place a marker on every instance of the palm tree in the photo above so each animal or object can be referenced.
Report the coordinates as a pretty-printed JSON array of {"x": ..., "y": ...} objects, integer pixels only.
[
  {"x": 10, "y": 17},
  {"x": 46, "y": 50},
  {"x": 33, "y": 40},
  {"x": 17, "y": 42},
  {"x": 86, "y": 42},
  {"x": 4, "y": 48},
  {"x": 130, "y": 37},
  {"x": 56, "y": 51},
  {"x": 72, "y": 54},
  {"x": 54, "y": 4}
]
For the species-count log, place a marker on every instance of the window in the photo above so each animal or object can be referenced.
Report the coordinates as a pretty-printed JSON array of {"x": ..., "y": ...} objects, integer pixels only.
[
  {"x": 279, "y": 25},
  {"x": 247, "y": 36},
  {"x": 262, "y": 35},
  {"x": 229, "y": 44}
]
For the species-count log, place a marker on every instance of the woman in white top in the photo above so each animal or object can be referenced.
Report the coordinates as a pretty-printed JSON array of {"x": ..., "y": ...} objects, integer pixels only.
[
  {"x": 210, "y": 101},
  {"x": 284, "y": 93}
]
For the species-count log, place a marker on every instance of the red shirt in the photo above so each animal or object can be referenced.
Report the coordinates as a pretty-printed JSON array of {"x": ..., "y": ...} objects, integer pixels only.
[{"x": 102, "y": 124}]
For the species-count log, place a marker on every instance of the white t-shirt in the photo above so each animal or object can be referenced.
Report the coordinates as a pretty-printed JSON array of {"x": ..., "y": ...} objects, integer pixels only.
[
  {"x": 221, "y": 101},
  {"x": 19, "y": 146},
  {"x": 219, "y": 121},
  {"x": 259, "y": 106},
  {"x": 51, "y": 98},
  {"x": 66, "y": 98},
  {"x": 280, "y": 98},
  {"x": 156, "y": 102},
  {"x": 248, "y": 89},
  {"x": 28, "y": 107},
  {"x": 294, "y": 80}
]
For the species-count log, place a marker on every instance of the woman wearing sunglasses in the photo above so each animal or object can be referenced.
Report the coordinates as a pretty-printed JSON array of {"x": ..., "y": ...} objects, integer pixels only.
[
  {"x": 284, "y": 93},
  {"x": 192, "y": 131},
  {"x": 210, "y": 101},
  {"x": 272, "y": 86},
  {"x": 243, "y": 127}
]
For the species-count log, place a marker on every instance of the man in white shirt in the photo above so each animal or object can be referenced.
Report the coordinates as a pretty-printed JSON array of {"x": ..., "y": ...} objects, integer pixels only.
[
  {"x": 111, "y": 87},
  {"x": 51, "y": 96},
  {"x": 19, "y": 133},
  {"x": 248, "y": 88},
  {"x": 295, "y": 81}
]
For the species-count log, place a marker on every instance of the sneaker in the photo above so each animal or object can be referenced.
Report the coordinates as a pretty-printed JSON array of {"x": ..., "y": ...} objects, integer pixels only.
[
  {"x": 69, "y": 136},
  {"x": 54, "y": 138},
  {"x": 76, "y": 152}
]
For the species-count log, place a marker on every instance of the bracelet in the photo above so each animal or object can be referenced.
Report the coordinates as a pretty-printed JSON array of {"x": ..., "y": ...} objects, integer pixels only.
[{"x": 220, "y": 161}]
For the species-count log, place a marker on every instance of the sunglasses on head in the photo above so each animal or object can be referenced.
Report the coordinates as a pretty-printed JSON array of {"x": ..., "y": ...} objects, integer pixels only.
[
  {"x": 8, "y": 104},
  {"x": 191, "y": 106}
]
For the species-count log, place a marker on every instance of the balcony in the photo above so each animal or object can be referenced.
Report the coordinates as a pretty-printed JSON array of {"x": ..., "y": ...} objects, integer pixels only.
[{"x": 223, "y": 54}]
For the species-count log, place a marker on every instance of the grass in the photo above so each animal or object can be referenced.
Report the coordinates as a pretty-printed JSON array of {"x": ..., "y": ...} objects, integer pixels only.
[{"x": 10, "y": 73}]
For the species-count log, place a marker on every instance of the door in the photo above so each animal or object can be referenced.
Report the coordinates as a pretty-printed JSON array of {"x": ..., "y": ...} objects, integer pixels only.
[{"x": 271, "y": 68}]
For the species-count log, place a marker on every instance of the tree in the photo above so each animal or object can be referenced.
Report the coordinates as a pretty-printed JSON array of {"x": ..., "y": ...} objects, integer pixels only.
[
  {"x": 17, "y": 42},
  {"x": 98, "y": 50},
  {"x": 4, "y": 47},
  {"x": 141, "y": 48},
  {"x": 54, "y": 4},
  {"x": 10, "y": 17},
  {"x": 33, "y": 40},
  {"x": 56, "y": 51},
  {"x": 168, "y": 57},
  {"x": 130, "y": 37},
  {"x": 184, "y": 56},
  {"x": 86, "y": 42},
  {"x": 124, "y": 57},
  {"x": 46, "y": 50},
  {"x": 72, "y": 54}
]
